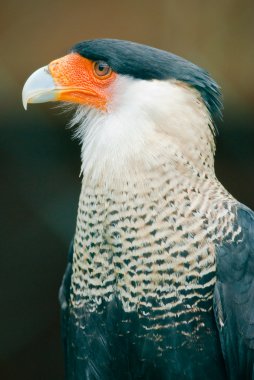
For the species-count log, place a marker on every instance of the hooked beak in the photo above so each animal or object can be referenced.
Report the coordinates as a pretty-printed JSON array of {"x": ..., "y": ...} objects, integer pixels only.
[{"x": 39, "y": 88}]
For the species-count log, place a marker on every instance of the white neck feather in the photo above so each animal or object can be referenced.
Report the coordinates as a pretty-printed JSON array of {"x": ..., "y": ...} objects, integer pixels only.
[{"x": 146, "y": 123}]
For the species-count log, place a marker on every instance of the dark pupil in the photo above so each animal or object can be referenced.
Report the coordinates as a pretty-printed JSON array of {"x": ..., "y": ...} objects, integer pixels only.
[{"x": 102, "y": 66}]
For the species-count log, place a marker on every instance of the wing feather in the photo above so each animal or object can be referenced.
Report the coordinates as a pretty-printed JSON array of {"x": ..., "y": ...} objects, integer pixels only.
[{"x": 234, "y": 297}]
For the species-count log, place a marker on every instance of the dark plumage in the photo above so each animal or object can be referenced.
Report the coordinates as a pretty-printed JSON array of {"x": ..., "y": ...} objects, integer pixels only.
[{"x": 234, "y": 297}]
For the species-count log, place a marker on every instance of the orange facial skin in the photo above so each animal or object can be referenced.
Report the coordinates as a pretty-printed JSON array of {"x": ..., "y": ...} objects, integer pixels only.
[{"x": 77, "y": 81}]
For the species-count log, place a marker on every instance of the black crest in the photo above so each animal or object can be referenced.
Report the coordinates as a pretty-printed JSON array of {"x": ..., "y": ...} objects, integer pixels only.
[{"x": 145, "y": 62}]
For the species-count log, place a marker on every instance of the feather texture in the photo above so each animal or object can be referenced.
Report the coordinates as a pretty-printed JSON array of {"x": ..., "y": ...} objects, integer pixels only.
[{"x": 234, "y": 297}]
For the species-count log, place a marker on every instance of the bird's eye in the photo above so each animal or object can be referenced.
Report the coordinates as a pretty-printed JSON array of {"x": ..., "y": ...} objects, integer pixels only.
[{"x": 102, "y": 69}]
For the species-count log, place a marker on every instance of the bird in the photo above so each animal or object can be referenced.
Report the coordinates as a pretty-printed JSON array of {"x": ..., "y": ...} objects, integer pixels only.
[{"x": 159, "y": 281}]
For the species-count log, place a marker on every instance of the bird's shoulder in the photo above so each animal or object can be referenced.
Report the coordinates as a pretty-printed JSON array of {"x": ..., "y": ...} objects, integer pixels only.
[{"x": 234, "y": 295}]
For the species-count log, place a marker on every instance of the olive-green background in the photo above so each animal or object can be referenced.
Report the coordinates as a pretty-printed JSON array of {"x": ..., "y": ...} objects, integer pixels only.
[{"x": 39, "y": 177}]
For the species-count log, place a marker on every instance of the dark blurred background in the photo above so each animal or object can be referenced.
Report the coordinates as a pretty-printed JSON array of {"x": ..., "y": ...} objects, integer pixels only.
[{"x": 40, "y": 163}]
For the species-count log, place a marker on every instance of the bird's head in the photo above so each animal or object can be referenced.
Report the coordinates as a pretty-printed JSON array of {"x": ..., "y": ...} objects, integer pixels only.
[{"x": 129, "y": 97}]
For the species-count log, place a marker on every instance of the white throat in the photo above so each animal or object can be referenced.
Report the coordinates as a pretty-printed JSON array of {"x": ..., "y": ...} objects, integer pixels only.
[{"x": 146, "y": 122}]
